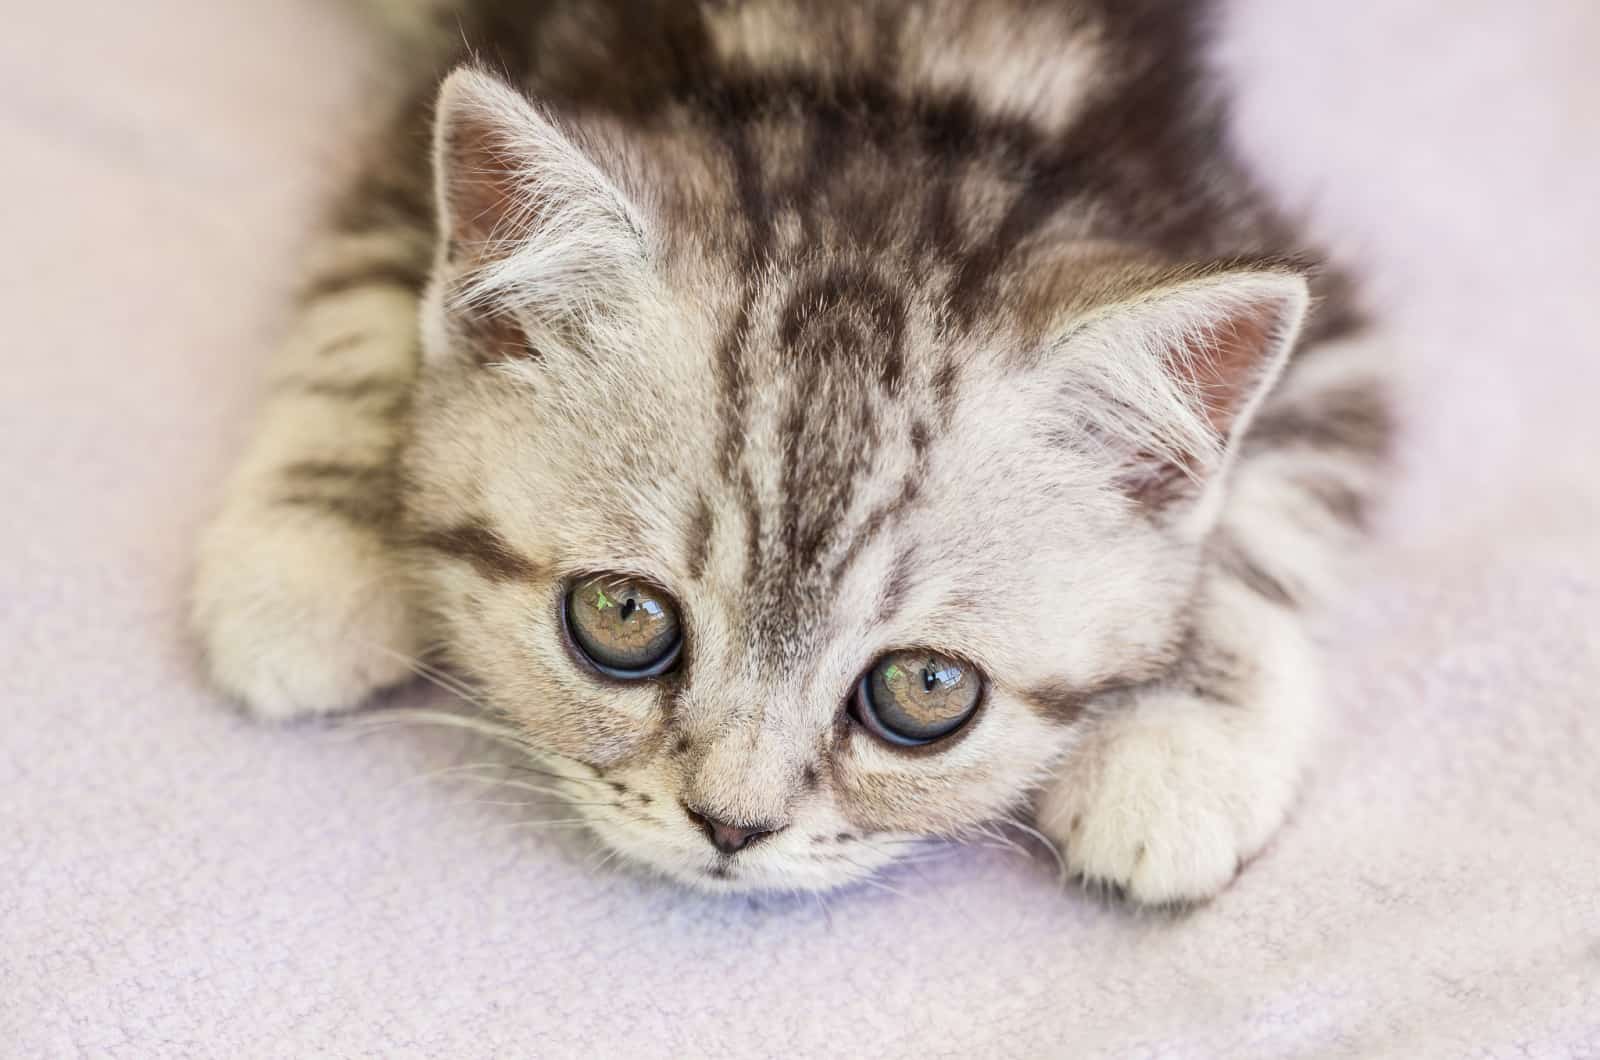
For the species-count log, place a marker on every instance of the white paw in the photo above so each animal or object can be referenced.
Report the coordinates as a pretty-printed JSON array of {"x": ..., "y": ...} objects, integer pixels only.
[
  {"x": 1166, "y": 797},
  {"x": 300, "y": 614}
]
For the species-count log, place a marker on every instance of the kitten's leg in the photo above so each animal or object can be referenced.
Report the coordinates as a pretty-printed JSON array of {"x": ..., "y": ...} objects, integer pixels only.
[
  {"x": 297, "y": 598},
  {"x": 1175, "y": 784}
]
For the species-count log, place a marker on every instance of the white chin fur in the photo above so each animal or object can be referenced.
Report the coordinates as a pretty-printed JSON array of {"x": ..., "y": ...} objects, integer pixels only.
[{"x": 787, "y": 863}]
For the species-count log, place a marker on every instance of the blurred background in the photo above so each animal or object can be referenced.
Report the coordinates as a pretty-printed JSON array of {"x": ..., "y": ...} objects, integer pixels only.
[{"x": 175, "y": 881}]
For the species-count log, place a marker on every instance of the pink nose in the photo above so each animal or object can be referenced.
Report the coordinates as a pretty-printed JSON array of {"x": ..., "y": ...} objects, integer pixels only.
[{"x": 728, "y": 838}]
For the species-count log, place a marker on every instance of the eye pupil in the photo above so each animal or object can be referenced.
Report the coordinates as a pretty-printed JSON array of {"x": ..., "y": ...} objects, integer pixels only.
[
  {"x": 623, "y": 627},
  {"x": 911, "y": 698}
]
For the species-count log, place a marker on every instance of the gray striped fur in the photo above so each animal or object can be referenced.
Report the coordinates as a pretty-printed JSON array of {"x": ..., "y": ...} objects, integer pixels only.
[{"x": 908, "y": 323}]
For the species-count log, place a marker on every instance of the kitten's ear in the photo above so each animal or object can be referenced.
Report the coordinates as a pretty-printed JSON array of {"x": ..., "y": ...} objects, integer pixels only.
[
  {"x": 531, "y": 224},
  {"x": 1171, "y": 376}
]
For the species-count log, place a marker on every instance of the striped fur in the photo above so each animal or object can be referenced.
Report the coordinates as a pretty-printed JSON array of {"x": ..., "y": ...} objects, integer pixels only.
[{"x": 856, "y": 327}]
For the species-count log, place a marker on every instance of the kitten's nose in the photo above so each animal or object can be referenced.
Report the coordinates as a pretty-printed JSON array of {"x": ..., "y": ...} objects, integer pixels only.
[{"x": 729, "y": 838}]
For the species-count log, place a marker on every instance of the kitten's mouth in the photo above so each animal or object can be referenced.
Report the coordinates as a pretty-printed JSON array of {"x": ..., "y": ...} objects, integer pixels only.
[{"x": 764, "y": 869}]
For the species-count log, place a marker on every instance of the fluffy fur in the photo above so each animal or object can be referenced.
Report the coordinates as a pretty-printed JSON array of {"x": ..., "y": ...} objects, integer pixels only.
[{"x": 912, "y": 323}]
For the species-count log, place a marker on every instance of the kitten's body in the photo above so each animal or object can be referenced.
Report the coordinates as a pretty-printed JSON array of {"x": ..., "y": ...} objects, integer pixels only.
[{"x": 857, "y": 327}]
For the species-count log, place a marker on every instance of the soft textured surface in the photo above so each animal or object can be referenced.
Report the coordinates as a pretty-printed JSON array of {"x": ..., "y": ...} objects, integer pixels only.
[{"x": 176, "y": 881}]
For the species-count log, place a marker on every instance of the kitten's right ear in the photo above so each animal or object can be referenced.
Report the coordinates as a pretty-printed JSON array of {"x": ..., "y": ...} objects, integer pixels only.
[{"x": 530, "y": 222}]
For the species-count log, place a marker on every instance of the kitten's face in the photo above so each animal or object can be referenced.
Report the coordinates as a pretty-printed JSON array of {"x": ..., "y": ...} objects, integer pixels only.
[
  {"x": 812, "y": 470},
  {"x": 854, "y": 523}
]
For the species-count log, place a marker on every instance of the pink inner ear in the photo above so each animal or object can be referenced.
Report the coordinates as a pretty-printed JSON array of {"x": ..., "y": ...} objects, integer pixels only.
[
  {"x": 492, "y": 337},
  {"x": 481, "y": 192},
  {"x": 483, "y": 187},
  {"x": 1226, "y": 359}
]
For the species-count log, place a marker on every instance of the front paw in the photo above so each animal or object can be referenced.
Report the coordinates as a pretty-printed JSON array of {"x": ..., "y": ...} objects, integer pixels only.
[
  {"x": 300, "y": 614},
  {"x": 1168, "y": 796}
]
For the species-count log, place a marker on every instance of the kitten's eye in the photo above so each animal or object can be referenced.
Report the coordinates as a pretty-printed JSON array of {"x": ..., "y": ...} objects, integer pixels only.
[
  {"x": 626, "y": 628},
  {"x": 912, "y": 698}
]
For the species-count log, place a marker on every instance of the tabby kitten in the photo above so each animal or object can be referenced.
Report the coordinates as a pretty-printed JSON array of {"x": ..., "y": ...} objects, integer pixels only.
[{"x": 818, "y": 426}]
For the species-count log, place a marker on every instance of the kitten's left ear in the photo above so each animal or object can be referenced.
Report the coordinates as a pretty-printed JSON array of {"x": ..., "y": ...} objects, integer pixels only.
[
  {"x": 1172, "y": 375},
  {"x": 532, "y": 226}
]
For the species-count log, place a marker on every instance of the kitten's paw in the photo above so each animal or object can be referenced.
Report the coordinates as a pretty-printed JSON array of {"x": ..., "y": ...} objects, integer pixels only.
[
  {"x": 300, "y": 614},
  {"x": 1165, "y": 800}
]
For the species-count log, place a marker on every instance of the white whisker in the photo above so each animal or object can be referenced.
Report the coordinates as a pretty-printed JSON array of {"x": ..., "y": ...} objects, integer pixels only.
[
  {"x": 423, "y": 716},
  {"x": 527, "y": 803},
  {"x": 427, "y": 671},
  {"x": 566, "y": 822},
  {"x": 461, "y": 772},
  {"x": 1062, "y": 872},
  {"x": 539, "y": 789}
]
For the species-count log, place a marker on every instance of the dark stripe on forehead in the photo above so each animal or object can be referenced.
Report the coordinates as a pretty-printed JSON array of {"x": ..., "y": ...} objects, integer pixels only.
[
  {"x": 733, "y": 384},
  {"x": 827, "y": 440},
  {"x": 940, "y": 230},
  {"x": 752, "y": 525},
  {"x": 882, "y": 517},
  {"x": 944, "y": 386},
  {"x": 698, "y": 545},
  {"x": 826, "y": 146},
  {"x": 874, "y": 112},
  {"x": 489, "y": 553},
  {"x": 846, "y": 314},
  {"x": 750, "y": 185},
  {"x": 844, "y": 317},
  {"x": 970, "y": 291},
  {"x": 920, "y": 439}
]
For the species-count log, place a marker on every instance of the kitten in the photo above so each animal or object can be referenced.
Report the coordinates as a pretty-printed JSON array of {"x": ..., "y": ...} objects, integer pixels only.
[{"x": 819, "y": 426}]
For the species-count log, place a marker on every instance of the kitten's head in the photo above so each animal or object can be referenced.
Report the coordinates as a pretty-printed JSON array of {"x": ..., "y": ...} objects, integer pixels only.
[{"x": 807, "y": 530}]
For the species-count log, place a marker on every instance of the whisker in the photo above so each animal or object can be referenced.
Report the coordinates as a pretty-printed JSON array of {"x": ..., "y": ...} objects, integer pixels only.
[
  {"x": 461, "y": 772},
  {"x": 449, "y": 682},
  {"x": 496, "y": 732},
  {"x": 525, "y": 804},
  {"x": 564, "y": 825},
  {"x": 521, "y": 767},
  {"x": 877, "y": 884},
  {"x": 472, "y": 773},
  {"x": 537, "y": 789},
  {"x": 1001, "y": 838},
  {"x": 924, "y": 857},
  {"x": 1062, "y": 872},
  {"x": 442, "y": 718},
  {"x": 608, "y": 858},
  {"x": 869, "y": 873},
  {"x": 565, "y": 822},
  {"x": 827, "y": 912}
]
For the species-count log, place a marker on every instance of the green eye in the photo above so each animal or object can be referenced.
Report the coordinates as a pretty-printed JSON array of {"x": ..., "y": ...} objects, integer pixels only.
[
  {"x": 911, "y": 698},
  {"x": 624, "y": 627}
]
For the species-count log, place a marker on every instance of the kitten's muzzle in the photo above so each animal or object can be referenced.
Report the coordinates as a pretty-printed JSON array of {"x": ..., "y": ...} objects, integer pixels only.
[{"x": 729, "y": 838}]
